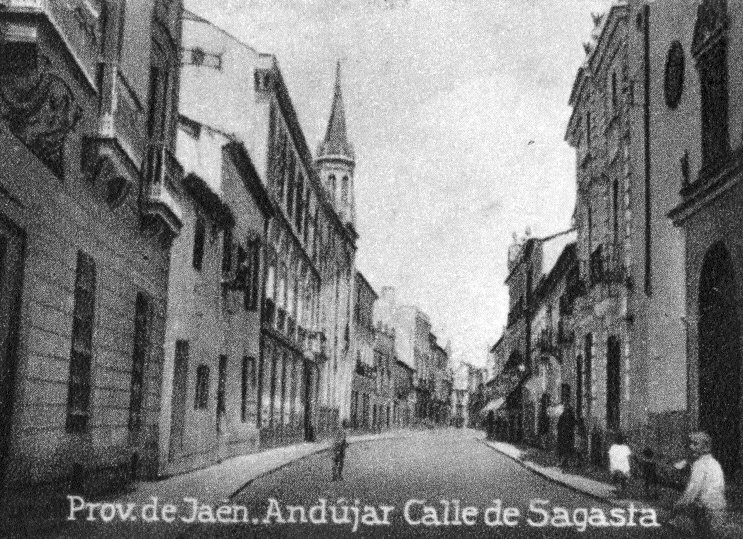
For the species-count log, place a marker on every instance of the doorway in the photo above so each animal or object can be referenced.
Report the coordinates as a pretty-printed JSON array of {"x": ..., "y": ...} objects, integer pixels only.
[
  {"x": 719, "y": 357},
  {"x": 613, "y": 383},
  {"x": 11, "y": 282}
]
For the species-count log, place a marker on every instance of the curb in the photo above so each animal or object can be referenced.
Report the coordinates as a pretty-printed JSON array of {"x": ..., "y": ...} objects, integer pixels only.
[
  {"x": 314, "y": 452},
  {"x": 565, "y": 485},
  {"x": 545, "y": 476}
]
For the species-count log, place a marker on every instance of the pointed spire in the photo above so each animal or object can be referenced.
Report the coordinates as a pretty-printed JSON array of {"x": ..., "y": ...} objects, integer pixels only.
[{"x": 336, "y": 139}]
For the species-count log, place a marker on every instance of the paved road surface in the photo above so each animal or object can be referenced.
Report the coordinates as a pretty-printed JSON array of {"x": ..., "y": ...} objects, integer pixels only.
[
  {"x": 426, "y": 468},
  {"x": 431, "y": 466}
]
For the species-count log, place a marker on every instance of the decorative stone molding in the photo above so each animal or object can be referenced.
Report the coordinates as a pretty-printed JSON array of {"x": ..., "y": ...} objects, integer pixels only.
[
  {"x": 40, "y": 109},
  {"x": 710, "y": 26}
]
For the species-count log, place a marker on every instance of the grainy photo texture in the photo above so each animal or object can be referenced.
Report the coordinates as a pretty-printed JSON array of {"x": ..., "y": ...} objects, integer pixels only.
[{"x": 375, "y": 268}]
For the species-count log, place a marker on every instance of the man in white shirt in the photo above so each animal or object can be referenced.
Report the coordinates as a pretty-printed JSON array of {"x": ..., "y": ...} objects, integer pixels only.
[
  {"x": 619, "y": 466},
  {"x": 704, "y": 497}
]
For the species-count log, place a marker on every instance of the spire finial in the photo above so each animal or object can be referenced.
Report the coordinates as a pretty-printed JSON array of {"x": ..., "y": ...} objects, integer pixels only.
[{"x": 336, "y": 139}]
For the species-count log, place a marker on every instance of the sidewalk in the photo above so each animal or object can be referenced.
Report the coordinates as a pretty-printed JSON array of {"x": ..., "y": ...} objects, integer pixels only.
[
  {"x": 219, "y": 482},
  {"x": 37, "y": 515},
  {"x": 587, "y": 481}
]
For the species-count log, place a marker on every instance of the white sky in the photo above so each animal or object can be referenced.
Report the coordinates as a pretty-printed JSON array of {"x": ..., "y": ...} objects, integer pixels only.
[{"x": 442, "y": 100}]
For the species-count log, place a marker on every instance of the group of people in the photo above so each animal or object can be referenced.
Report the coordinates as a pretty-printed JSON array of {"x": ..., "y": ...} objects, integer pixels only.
[{"x": 703, "y": 499}]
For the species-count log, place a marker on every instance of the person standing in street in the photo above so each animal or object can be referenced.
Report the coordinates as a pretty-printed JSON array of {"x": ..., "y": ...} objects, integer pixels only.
[
  {"x": 566, "y": 432},
  {"x": 704, "y": 497},
  {"x": 339, "y": 451}
]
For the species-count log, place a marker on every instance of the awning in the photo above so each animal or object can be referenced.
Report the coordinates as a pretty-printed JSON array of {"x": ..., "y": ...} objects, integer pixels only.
[
  {"x": 503, "y": 385},
  {"x": 493, "y": 405}
]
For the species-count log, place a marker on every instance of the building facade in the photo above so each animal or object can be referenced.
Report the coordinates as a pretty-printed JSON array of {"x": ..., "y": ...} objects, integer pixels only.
[
  {"x": 364, "y": 384},
  {"x": 88, "y": 114},
  {"x": 697, "y": 45},
  {"x": 307, "y": 337},
  {"x": 404, "y": 405},
  {"x": 210, "y": 390},
  {"x": 600, "y": 130}
]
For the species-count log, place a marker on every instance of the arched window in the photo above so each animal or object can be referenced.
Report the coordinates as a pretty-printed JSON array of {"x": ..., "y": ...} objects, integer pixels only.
[
  {"x": 344, "y": 189},
  {"x": 331, "y": 186}
]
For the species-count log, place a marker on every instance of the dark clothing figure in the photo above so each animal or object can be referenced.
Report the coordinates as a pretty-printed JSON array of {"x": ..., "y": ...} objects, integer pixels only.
[
  {"x": 649, "y": 471},
  {"x": 339, "y": 453},
  {"x": 566, "y": 435}
]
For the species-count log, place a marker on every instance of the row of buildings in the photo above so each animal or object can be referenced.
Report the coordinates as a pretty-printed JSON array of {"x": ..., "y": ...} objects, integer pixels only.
[
  {"x": 177, "y": 268},
  {"x": 636, "y": 321}
]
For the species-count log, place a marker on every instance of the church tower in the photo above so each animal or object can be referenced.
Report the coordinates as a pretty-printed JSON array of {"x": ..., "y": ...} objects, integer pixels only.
[{"x": 335, "y": 159}]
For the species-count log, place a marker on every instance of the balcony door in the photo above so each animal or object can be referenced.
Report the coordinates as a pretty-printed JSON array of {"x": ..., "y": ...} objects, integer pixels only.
[{"x": 11, "y": 281}]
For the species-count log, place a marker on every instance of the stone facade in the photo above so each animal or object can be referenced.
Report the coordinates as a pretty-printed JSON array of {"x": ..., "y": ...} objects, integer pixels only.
[{"x": 86, "y": 220}]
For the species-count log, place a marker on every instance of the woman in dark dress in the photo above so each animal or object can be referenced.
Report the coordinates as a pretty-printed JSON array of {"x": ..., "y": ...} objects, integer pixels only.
[{"x": 566, "y": 435}]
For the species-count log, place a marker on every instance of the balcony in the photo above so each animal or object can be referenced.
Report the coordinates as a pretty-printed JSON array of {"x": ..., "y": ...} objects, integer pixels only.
[
  {"x": 280, "y": 320},
  {"x": 159, "y": 203},
  {"x": 316, "y": 347},
  {"x": 269, "y": 312},
  {"x": 367, "y": 371},
  {"x": 603, "y": 270},
  {"x": 546, "y": 344},
  {"x": 291, "y": 327},
  {"x": 78, "y": 23}
]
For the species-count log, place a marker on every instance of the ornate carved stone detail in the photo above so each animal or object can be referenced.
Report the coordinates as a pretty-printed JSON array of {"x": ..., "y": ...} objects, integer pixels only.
[
  {"x": 710, "y": 26},
  {"x": 40, "y": 109}
]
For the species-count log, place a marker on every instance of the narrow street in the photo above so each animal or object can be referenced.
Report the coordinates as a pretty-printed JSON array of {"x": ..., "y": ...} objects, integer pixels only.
[
  {"x": 428, "y": 466},
  {"x": 432, "y": 466}
]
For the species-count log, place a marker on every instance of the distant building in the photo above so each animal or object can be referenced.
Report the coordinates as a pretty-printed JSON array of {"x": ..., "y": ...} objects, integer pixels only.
[
  {"x": 364, "y": 384},
  {"x": 404, "y": 406},
  {"x": 88, "y": 111},
  {"x": 384, "y": 362}
]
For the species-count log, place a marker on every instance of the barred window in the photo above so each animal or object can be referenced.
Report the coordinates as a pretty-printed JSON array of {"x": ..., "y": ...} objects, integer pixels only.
[
  {"x": 201, "y": 402},
  {"x": 81, "y": 354},
  {"x": 141, "y": 350},
  {"x": 198, "y": 243},
  {"x": 248, "y": 388}
]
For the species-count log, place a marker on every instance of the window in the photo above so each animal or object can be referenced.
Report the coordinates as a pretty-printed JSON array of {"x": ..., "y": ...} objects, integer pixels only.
[
  {"x": 615, "y": 199},
  {"x": 252, "y": 284},
  {"x": 344, "y": 189},
  {"x": 290, "y": 187},
  {"x": 227, "y": 250},
  {"x": 299, "y": 214},
  {"x": 81, "y": 355},
  {"x": 139, "y": 359},
  {"x": 198, "y": 243},
  {"x": 614, "y": 97},
  {"x": 248, "y": 380},
  {"x": 160, "y": 75},
  {"x": 201, "y": 402},
  {"x": 280, "y": 162},
  {"x": 714, "y": 89},
  {"x": 221, "y": 390},
  {"x": 331, "y": 186},
  {"x": 588, "y": 129}
]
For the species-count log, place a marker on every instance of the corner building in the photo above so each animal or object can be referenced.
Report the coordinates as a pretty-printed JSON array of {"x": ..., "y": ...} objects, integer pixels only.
[
  {"x": 88, "y": 98},
  {"x": 306, "y": 333}
]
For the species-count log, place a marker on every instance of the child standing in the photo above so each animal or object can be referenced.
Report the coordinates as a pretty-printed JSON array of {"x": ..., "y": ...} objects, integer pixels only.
[
  {"x": 339, "y": 451},
  {"x": 619, "y": 467}
]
